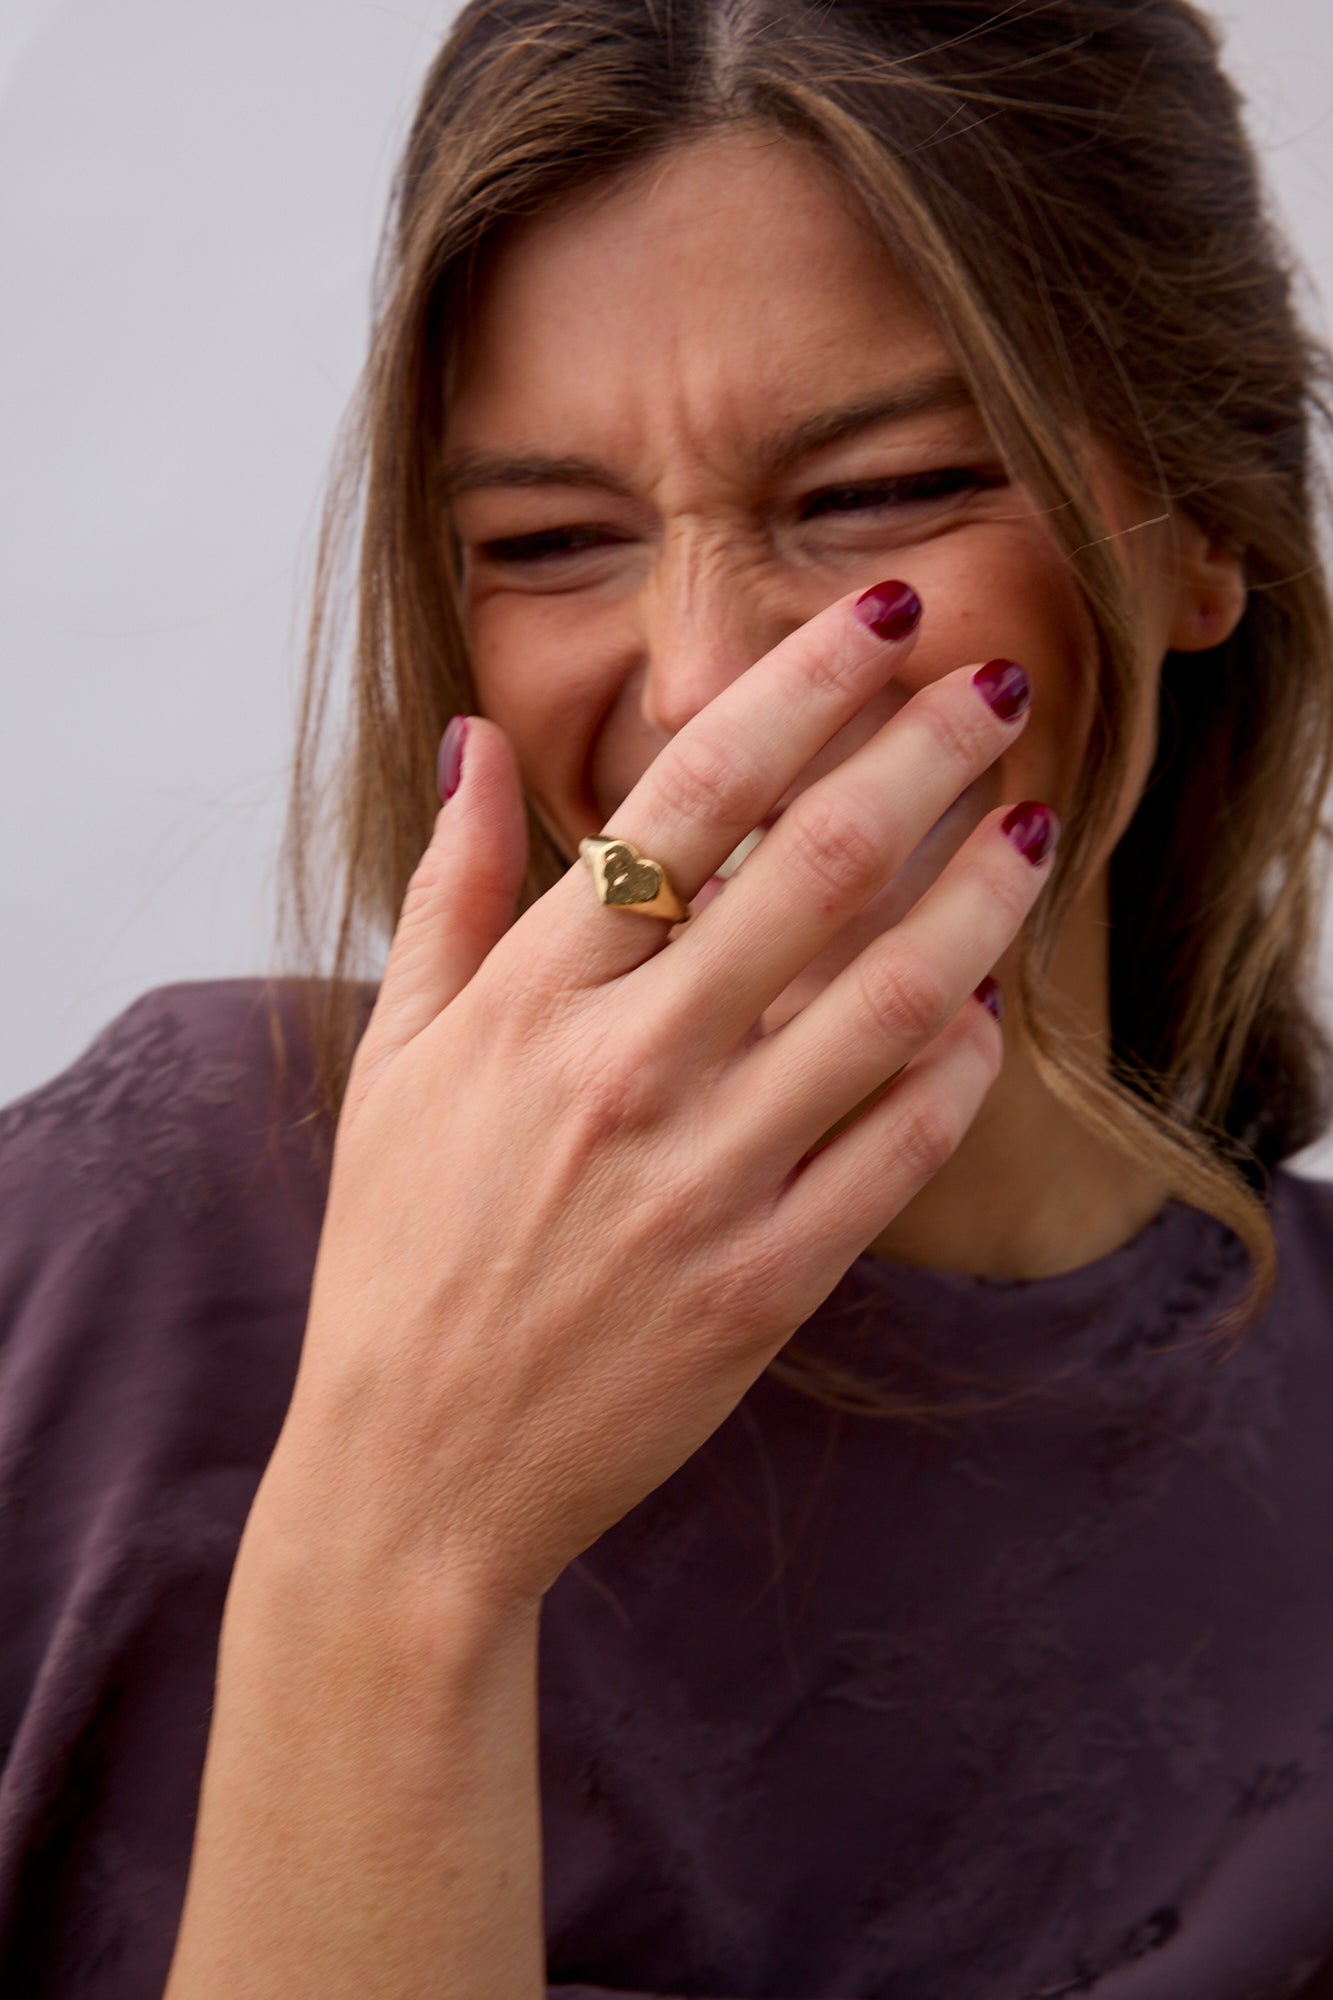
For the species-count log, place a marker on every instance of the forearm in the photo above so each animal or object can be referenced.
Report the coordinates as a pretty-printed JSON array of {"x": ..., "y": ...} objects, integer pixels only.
[{"x": 369, "y": 1820}]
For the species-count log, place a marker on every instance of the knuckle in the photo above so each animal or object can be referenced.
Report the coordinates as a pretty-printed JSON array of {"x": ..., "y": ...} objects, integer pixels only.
[
  {"x": 696, "y": 777},
  {"x": 742, "y": 1294},
  {"x": 962, "y": 730},
  {"x": 623, "y": 1087},
  {"x": 928, "y": 1135},
  {"x": 1013, "y": 892},
  {"x": 831, "y": 668},
  {"x": 903, "y": 999},
  {"x": 838, "y": 850}
]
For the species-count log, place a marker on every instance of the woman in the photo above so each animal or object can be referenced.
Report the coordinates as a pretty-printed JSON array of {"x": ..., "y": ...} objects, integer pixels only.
[{"x": 816, "y": 461}]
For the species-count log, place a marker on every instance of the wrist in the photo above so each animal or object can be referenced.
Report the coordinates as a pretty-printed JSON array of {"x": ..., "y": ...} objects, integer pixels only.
[
  {"x": 335, "y": 1523},
  {"x": 372, "y": 1775},
  {"x": 310, "y": 1579}
]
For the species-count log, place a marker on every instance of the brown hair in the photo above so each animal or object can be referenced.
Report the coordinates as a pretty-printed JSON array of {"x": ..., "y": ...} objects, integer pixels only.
[{"x": 1070, "y": 185}]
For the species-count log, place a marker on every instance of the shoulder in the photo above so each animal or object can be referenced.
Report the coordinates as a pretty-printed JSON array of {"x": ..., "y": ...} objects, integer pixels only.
[
  {"x": 175, "y": 1099},
  {"x": 172, "y": 1058},
  {"x": 1301, "y": 1211},
  {"x": 161, "y": 1202},
  {"x": 182, "y": 1157},
  {"x": 160, "y": 1210},
  {"x": 1300, "y": 1310}
]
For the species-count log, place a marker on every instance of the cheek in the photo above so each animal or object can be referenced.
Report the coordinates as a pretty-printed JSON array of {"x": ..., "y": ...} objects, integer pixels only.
[
  {"x": 548, "y": 690},
  {"x": 1021, "y": 602},
  {"x": 998, "y": 593}
]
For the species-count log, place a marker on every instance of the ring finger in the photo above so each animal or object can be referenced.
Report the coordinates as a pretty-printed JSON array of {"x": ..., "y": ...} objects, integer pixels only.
[{"x": 792, "y": 1087}]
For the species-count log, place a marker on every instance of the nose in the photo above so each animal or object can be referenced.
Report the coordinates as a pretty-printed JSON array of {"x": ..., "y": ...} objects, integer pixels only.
[{"x": 704, "y": 619}]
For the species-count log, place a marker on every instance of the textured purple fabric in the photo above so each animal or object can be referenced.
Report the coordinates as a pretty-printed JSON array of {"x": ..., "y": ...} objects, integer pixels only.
[{"x": 1017, "y": 1705}]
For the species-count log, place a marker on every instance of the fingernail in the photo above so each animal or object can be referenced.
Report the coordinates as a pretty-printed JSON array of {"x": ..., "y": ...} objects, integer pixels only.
[
  {"x": 1034, "y": 830},
  {"x": 890, "y": 610},
  {"x": 449, "y": 764},
  {"x": 1005, "y": 686},
  {"x": 991, "y": 995}
]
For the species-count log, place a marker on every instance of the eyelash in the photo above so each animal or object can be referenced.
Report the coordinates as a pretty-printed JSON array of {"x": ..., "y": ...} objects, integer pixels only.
[
  {"x": 902, "y": 491},
  {"x": 550, "y": 542},
  {"x": 939, "y": 485}
]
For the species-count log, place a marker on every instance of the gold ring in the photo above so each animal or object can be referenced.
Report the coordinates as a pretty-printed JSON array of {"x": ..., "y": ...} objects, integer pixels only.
[{"x": 628, "y": 880}]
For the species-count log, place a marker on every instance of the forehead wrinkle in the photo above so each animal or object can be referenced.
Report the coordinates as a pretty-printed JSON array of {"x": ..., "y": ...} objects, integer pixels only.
[
  {"x": 467, "y": 470},
  {"x": 925, "y": 395}
]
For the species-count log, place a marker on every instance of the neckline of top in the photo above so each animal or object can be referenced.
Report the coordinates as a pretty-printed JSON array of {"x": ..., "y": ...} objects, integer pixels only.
[{"x": 1166, "y": 1283}]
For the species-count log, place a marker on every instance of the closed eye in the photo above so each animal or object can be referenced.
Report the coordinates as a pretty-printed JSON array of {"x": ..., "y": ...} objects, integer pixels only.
[
  {"x": 548, "y": 543},
  {"x": 548, "y": 546},
  {"x": 904, "y": 491}
]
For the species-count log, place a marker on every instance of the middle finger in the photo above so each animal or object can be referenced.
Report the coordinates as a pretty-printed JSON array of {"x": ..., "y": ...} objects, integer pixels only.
[{"x": 836, "y": 845}]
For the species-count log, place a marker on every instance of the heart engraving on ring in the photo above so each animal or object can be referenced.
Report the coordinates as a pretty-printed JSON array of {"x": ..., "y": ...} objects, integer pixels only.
[{"x": 627, "y": 878}]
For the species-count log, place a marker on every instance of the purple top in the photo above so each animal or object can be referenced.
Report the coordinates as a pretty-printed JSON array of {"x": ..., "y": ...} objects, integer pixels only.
[{"x": 1008, "y": 1707}]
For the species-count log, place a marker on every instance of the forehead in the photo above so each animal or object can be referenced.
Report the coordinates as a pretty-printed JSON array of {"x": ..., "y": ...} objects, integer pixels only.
[{"x": 733, "y": 284}]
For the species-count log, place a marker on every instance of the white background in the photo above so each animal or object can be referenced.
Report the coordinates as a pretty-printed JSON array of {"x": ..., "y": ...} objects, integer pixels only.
[{"x": 190, "y": 196}]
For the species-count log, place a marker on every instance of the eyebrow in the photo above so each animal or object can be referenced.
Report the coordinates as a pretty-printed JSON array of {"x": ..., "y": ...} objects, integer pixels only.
[{"x": 465, "y": 471}]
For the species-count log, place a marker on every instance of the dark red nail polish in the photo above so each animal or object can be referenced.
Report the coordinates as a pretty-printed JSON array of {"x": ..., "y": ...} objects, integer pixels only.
[
  {"x": 890, "y": 610},
  {"x": 449, "y": 765},
  {"x": 1033, "y": 828},
  {"x": 991, "y": 995},
  {"x": 1005, "y": 686}
]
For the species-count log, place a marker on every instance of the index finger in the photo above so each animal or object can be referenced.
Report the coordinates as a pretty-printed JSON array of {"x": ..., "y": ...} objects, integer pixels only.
[{"x": 731, "y": 763}]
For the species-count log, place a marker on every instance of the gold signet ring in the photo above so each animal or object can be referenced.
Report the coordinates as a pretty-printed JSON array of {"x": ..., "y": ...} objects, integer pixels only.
[{"x": 628, "y": 880}]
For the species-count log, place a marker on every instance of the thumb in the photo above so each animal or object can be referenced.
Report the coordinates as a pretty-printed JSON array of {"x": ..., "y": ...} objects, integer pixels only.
[{"x": 462, "y": 895}]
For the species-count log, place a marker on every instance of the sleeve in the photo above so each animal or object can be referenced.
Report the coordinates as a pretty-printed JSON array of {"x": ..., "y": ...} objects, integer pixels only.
[{"x": 157, "y": 1237}]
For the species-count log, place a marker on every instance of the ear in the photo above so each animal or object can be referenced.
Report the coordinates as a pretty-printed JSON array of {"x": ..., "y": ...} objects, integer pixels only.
[{"x": 1211, "y": 592}]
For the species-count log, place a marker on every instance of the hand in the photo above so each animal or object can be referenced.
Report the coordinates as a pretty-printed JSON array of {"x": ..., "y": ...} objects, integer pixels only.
[{"x": 576, "y": 1203}]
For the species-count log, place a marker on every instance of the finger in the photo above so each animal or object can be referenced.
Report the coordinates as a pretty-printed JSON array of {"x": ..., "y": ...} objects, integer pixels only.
[
  {"x": 839, "y": 843},
  {"x": 460, "y": 900},
  {"x": 896, "y": 997},
  {"x": 838, "y": 1201},
  {"x": 732, "y": 763}
]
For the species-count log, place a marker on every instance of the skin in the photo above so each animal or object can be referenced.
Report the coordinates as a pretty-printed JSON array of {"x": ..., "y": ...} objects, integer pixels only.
[{"x": 663, "y": 331}]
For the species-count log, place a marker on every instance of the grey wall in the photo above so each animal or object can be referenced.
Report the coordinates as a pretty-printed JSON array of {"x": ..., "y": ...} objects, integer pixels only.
[{"x": 189, "y": 199}]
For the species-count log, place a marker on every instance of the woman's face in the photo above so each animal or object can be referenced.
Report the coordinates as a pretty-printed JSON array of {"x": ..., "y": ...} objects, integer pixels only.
[{"x": 695, "y": 408}]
